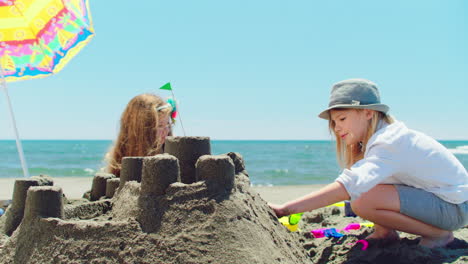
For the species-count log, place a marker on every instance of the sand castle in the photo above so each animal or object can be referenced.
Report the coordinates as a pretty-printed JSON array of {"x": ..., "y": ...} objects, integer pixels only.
[{"x": 184, "y": 206}]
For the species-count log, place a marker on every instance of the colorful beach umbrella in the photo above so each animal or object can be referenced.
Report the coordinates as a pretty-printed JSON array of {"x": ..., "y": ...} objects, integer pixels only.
[{"x": 37, "y": 39}]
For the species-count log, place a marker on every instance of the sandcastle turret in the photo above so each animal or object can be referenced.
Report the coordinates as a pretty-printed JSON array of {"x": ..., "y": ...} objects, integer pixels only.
[
  {"x": 218, "y": 172},
  {"x": 187, "y": 150},
  {"x": 238, "y": 162},
  {"x": 99, "y": 185},
  {"x": 44, "y": 201},
  {"x": 158, "y": 173},
  {"x": 131, "y": 170},
  {"x": 111, "y": 186},
  {"x": 16, "y": 211}
]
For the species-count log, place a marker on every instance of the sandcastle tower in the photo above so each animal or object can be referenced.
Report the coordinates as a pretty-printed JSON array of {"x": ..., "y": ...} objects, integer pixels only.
[
  {"x": 99, "y": 186},
  {"x": 16, "y": 211},
  {"x": 131, "y": 170},
  {"x": 217, "y": 172},
  {"x": 111, "y": 187},
  {"x": 44, "y": 201},
  {"x": 187, "y": 150},
  {"x": 158, "y": 173}
]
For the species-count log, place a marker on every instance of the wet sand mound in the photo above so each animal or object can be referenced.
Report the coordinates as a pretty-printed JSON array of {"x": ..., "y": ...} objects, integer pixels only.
[{"x": 216, "y": 219}]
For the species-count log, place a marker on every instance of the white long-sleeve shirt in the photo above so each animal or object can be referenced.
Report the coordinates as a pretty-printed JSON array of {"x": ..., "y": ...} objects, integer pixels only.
[{"x": 398, "y": 155}]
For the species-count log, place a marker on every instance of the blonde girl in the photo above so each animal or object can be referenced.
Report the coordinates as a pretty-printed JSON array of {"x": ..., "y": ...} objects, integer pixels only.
[
  {"x": 144, "y": 125},
  {"x": 398, "y": 178}
]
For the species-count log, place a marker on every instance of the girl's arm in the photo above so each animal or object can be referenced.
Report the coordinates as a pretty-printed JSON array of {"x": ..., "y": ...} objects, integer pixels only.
[{"x": 330, "y": 194}]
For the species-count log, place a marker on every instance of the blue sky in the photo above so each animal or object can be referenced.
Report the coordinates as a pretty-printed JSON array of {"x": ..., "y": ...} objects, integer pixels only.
[{"x": 254, "y": 69}]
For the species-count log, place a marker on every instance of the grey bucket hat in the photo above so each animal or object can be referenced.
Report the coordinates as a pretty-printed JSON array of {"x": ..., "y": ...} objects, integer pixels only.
[{"x": 354, "y": 93}]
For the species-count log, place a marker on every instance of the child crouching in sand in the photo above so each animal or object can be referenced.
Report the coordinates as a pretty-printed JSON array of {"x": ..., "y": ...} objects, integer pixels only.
[
  {"x": 398, "y": 178},
  {"x": 144, "y": 125}
]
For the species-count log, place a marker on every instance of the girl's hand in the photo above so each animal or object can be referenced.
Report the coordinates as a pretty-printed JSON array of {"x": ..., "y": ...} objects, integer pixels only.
[{"x": 280, "y": 210}]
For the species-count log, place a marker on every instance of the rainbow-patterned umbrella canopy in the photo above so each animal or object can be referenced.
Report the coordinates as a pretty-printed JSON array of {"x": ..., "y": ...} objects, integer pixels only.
[{"x": 39, "y": 37}]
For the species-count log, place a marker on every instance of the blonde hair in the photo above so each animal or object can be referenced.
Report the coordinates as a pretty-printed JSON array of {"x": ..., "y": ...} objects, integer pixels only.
[
  {"x": 347, "y": 155},
  {"x": 138, "y": 135}
]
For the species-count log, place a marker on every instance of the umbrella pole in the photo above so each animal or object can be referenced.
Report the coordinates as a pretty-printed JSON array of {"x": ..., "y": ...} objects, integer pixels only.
[{"x": 18, "y": 141}]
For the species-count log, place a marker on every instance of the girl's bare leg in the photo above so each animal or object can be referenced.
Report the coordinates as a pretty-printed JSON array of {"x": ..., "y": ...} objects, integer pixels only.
[{"x": 381, "y": 205}]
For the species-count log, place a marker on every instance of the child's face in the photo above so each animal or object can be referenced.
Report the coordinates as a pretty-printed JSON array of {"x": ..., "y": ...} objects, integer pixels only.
[
  {"x": 351, "y": 124},
  {"x": 164, "y": 127}
]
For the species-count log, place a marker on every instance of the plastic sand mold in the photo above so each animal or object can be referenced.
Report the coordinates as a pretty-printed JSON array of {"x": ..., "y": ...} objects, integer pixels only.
[
  {"x": 364, "y": 243},
  {"x": 340, "y": 204},
  {"x": 333, "y": 232},
  {"x": 291, "y": 221}
]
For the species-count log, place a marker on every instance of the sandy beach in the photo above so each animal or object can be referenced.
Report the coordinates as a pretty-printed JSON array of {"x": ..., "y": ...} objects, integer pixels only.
[{"x": 74, "y": 187}]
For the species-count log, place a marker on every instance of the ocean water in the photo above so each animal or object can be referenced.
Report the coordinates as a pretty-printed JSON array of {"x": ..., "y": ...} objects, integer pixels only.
[{"x": 268, "y": 162}]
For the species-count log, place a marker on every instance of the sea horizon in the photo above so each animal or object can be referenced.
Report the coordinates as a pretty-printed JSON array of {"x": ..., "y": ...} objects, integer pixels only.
[{"x": 268, "y": 162}]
